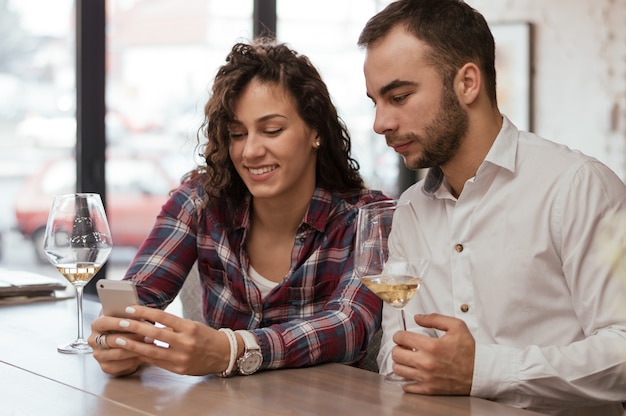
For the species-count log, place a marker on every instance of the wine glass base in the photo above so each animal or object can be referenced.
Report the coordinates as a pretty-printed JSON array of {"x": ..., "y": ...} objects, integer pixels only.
[
  {"x": 395, "y": 379},
  {"x": 75, "y": 347}
]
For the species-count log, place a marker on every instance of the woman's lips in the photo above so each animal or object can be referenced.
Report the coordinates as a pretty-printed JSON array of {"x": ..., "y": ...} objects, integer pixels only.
[{"x": 261, "y": 170}]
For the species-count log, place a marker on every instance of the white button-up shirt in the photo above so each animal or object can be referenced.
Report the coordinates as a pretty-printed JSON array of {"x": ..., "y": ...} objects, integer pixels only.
[{"x": 518, "y": 258}]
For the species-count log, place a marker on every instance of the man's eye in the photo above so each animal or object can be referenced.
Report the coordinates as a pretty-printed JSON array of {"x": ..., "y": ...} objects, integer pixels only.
[{"x": 399, "y": 98}]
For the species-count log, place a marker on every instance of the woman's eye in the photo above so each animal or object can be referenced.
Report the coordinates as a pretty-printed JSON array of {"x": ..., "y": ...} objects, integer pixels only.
[
  {"x": 274, "y": 132},
  {"x": 235, "y": 135}
]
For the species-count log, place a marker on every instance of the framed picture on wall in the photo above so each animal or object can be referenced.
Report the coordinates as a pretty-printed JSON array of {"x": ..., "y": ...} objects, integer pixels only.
[{"x": 514, "y": 70}]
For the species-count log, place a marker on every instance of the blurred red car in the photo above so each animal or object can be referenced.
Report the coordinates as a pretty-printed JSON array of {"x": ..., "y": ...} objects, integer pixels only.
[{"x": 136, "y": 190}]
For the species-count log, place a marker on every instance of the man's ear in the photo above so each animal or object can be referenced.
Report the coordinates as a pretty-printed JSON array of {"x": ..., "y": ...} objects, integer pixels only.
[{"x": 468, "y": 83}]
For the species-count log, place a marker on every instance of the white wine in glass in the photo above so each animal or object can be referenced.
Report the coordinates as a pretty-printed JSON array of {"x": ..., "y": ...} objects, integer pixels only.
[
  {"x": 396, "y": 290},
  {"x": 78, "y": 243},
  {"x": 388, "y": 273}
]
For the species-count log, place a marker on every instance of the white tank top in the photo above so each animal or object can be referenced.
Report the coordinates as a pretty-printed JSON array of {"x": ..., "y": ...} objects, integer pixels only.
[{"x": 264, "y": 285}]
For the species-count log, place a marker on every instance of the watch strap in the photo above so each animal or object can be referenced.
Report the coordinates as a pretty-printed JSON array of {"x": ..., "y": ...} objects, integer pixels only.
[
  {"x": 252, "y": 351},
  {"x": 249, "y": 340}
]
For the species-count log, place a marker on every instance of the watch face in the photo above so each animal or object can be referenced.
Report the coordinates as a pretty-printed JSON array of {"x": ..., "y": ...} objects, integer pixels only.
[{"x": 250, "y": 362}]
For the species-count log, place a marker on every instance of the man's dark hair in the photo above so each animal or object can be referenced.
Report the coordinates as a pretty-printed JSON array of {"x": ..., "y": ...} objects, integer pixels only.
[{"x": 456, "y": 33}]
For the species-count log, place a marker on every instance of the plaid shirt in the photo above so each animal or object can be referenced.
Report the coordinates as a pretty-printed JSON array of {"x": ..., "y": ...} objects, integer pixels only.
[{"x": 320, "y": 312}]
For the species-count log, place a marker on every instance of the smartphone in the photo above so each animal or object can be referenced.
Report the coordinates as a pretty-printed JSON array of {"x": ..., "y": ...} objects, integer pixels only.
[{"x": 116, "y": 295}]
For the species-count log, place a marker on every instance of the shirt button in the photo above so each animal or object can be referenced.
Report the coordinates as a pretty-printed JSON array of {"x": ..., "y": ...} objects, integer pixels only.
[
  {"x": 257, "y": 316},
  {"x": 464, "y": 307},
  {"x": 302, "y": 240},
  {"x": 458, "y": 248}
]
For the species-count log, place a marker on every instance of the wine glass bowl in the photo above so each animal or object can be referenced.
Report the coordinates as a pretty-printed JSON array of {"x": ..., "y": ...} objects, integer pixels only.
[
  {"x": 382, "y": 266},
  {"x": 395, "y": 290},
  {"x": 77, "y": 242}
]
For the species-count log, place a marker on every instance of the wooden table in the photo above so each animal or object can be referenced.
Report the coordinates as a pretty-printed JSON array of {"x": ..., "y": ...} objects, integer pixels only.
[{"x": 36, "y": 379}]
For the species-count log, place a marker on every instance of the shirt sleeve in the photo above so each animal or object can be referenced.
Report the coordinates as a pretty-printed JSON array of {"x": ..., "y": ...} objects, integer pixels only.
[
  {"x": 339, "y": 333},
  {"x": 166, "y": 256},
  {"x": 591, "y": 368}
]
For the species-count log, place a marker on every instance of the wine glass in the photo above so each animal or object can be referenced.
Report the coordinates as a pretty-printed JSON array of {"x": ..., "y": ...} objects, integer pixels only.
[
  {"x": 390, "y": 274},
  {"x": 77, "y": 242}
]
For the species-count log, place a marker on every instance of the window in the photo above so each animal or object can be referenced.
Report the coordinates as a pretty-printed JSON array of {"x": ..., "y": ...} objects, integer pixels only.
[
  {"x": 37, "y": 112},
  {"x": 161, "y": 57}
]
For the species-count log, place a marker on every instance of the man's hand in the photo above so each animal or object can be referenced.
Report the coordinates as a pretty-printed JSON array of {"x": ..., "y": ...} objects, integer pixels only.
[{"x": 439, "y": 366}]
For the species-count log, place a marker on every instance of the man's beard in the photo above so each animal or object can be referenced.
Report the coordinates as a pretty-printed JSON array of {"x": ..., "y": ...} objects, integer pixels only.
[{"x": 442, "y": 137}]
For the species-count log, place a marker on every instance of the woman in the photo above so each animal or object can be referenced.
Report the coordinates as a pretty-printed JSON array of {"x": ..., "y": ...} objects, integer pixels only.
[{"x": 270, "y": 222}]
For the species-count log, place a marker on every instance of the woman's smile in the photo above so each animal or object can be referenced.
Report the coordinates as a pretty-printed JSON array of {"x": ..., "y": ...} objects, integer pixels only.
[{"x": 255, "y": 171}]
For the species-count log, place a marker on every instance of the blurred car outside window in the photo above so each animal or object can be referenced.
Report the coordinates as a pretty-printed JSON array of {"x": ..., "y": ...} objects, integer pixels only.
[{"x": 136, "y": 190}]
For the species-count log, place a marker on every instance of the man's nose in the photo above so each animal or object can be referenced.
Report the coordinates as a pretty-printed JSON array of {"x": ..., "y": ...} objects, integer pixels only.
[{"x": 384, "y": 121}]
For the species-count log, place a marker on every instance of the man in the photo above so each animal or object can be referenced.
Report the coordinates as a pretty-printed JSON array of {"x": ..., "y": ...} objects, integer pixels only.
[{"x": 517, "y": 305}]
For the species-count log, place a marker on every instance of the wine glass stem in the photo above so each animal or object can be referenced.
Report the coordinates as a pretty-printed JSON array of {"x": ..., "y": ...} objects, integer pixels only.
[
  {"x": 79, "y": 304},
  {"x": 403, "y": 319}
]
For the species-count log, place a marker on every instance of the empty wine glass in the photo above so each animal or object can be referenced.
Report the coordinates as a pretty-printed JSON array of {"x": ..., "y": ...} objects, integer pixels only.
[
  {"x": 77, "y": 242},
  {"x": 390, "y": 274}
]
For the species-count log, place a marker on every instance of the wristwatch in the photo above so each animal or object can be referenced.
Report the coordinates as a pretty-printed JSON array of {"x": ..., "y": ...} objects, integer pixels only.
[{"x": 252, "y": 358}]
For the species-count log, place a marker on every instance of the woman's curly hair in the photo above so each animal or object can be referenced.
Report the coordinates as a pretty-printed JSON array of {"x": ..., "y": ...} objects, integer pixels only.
[{"x": 266, "y": 60}]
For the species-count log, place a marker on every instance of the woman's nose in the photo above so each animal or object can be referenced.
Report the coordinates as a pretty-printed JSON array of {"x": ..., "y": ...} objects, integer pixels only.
[{"x": 253, "y": 146}]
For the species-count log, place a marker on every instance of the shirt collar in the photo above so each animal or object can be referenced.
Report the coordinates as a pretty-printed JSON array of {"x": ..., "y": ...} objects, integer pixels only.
[
  {"x": 503, "y": 153},
  {"x": 316, "y": 215}
]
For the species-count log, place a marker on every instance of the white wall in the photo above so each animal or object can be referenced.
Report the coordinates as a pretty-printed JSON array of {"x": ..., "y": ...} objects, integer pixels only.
[{"x": 579, "y": 77}]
